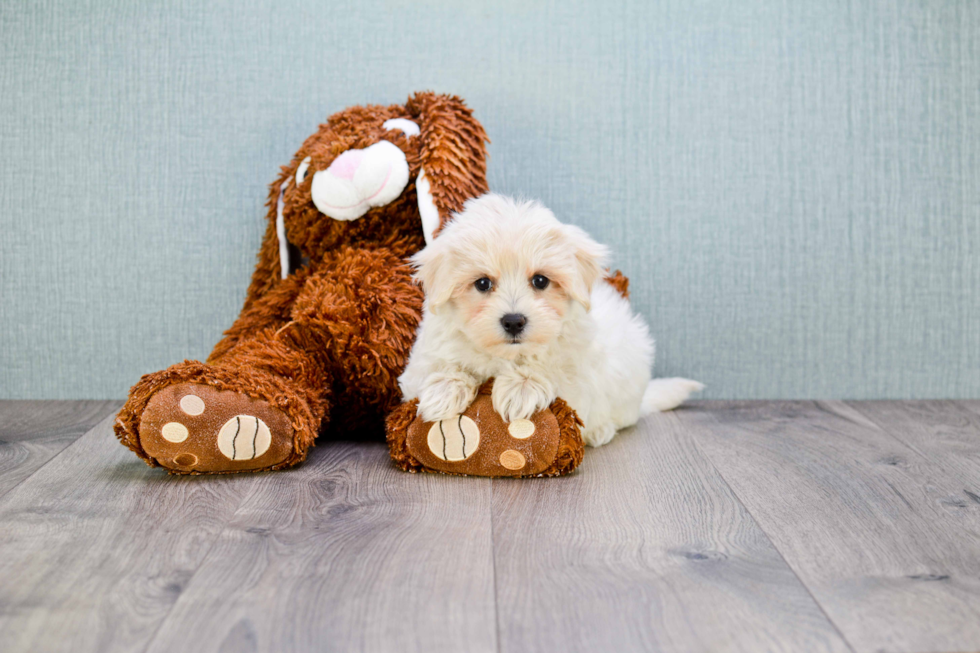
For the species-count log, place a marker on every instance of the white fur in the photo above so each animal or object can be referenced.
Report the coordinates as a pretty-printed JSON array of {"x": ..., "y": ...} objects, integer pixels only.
[
  {"x": 408, "y": 127},
  {"x": 427, "y": 206},
  {"x": 582, "y": 341},
  {"x": 359, "y": 180}
]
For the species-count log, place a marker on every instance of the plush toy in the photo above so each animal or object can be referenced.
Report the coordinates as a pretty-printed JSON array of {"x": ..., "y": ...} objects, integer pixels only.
[
  {"x": 331, "y": 312},
  {"x": 480, "y": 443}
]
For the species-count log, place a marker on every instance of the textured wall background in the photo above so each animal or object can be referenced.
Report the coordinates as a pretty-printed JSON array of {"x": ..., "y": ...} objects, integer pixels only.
[{"x": 794, "y": 187}]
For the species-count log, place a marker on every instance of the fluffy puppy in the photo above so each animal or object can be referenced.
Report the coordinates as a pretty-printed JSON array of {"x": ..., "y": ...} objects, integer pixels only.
[{"x": 514, "y": 294}]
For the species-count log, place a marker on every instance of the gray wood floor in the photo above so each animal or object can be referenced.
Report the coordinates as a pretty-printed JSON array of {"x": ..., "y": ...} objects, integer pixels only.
[{"x": 724, "y": 526}]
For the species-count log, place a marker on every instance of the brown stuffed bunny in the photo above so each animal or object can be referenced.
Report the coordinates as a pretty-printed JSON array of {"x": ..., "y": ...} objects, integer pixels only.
[{"x": 332, "y": 311}]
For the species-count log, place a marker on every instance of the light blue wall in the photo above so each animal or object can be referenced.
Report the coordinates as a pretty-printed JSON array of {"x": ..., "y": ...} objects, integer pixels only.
[{"x": 793, "y": 186}]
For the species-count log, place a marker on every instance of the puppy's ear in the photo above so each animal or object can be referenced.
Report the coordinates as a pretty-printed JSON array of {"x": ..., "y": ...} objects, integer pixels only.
[
  {"x": 590, "y": 263},
  {"x": 434, "y": 273}
]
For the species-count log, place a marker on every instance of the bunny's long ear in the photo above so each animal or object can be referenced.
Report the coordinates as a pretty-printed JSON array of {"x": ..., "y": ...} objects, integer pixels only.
[
  {"x": 272, "y": 254},
  {"x": 454, "y": 158}
]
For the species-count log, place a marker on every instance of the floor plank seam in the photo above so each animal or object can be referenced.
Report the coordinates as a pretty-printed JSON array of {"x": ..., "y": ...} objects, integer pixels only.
[
  {"x": 762, "y": 530},
  {"x": 856, "y": 405},
  {"x": 888, "y": 431},
  {"x": 57, "y": 455},
  {"x": 190, "y": 578},
  {"x": 493, "y": 564}
]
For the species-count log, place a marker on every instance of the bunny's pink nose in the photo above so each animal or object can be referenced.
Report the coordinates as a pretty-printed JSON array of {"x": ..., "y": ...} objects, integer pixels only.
[{"x": 345, "y": 165}]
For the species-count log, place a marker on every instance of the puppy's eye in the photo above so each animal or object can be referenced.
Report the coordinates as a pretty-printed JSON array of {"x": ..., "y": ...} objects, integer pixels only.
[
  {"x": 483, "y": 284},
  {"x": 302, "y": 170},
  {"x": 540, "y": 281}
]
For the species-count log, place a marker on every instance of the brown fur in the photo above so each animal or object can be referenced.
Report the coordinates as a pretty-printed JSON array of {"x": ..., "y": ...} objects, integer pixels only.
[
  {"x": 620, "y": 282},
  {"x": 327, "y": 344}
]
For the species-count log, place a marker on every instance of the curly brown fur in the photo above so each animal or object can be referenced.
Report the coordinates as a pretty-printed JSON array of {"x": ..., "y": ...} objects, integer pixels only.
[
  {"x": 337, "y": 331},
  {"x": 571, "y": 449},
  {"x": 397, "y": 436},
  {"x": 620, "y": 282}
]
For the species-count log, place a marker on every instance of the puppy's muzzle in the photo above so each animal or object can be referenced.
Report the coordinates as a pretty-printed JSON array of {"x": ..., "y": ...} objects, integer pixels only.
[{"x": 513, "y": 323}]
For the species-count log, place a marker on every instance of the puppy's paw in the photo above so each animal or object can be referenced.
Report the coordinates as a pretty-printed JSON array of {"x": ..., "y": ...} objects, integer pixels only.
[
  {"x": 599, "y": 435},
  {"x": 518, "y": 396},
  {"x": 445, "y": 395}
]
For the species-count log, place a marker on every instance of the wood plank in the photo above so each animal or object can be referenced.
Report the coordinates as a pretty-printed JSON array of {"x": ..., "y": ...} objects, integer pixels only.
[
  {"x": 947, "y": 433},
  {"x": 972, "y": 405},
  {"x": 96, "y": 547},
  {"x": 347, "y": 554},
  {"x": 33, "y": 432},
  {"x": 644, "y": 548},
  {"x": 891, "y": 565}
]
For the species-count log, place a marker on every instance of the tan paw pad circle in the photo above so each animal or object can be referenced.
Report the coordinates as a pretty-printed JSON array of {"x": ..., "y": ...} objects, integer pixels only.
[
  {"x": 521, "y": 429},
  {"x": 244, "y": 437},
  {"x": 512, "y": 459},
  {"x": 192, "y": 404},
  {"x": 454, "y": 439},
  {"x": 186, "y": 459},
  {"x": 174, "y": 432}
]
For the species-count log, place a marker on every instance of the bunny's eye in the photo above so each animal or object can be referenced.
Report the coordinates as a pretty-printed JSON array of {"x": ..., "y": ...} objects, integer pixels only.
[
  {"x": 483, "y": 284},
  {"x": 540, "y": 281},
  {"x": 302, "y": 170}
]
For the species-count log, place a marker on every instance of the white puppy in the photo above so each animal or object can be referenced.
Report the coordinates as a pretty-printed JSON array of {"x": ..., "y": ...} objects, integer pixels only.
[{"x": 514, "y": 294}]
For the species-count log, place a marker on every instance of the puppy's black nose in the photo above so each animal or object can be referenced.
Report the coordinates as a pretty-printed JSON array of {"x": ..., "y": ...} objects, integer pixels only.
[{"x": 513, "y": 323}]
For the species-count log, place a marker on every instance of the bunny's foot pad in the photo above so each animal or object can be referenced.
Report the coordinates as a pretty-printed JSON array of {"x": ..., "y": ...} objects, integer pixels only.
[
  {"x": 480, "y": 443},
  {"x": 191, "y": 428}
]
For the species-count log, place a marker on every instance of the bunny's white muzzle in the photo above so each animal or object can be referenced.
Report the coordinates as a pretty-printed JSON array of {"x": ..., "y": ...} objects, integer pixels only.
[{"x": 359, "y": 180}]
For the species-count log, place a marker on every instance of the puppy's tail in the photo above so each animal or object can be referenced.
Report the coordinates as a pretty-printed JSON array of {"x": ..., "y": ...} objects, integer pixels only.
[{"x": 665, "y": 394}]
